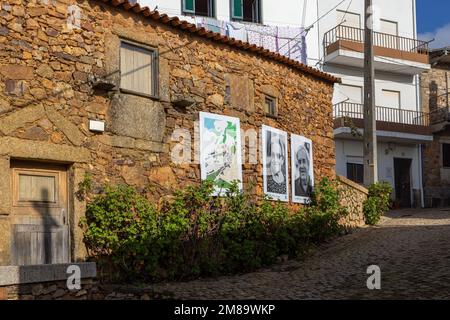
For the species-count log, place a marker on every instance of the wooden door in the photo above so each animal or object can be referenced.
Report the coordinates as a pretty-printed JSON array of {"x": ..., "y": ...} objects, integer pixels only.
[
  {"x": 40, "y": 233},
  {"x": 402, "y": 168}
]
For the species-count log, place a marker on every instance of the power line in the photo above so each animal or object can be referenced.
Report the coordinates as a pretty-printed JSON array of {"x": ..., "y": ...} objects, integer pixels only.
[
  {"x": 346, "y": 11},
  {"x": 312, "y": 25}
]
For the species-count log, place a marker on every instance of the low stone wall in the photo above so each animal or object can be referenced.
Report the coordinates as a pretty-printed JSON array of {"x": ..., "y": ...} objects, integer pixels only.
[
  {"x": 46, "y": 282},
  {"x": 352, "y": 197}
]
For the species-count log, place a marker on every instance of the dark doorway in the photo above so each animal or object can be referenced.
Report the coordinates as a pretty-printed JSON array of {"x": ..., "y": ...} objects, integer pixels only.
[{"x": 402, "y": 168}]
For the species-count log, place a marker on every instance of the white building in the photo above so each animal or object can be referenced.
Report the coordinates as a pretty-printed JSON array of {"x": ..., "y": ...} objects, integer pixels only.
[{"x": 335, "y": 45}]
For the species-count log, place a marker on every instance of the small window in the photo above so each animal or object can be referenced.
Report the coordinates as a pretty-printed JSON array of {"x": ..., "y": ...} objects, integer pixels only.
[
  {"x": 246, "y": 10},
  {"x": 198, "y": 7},
  {"x": 37, "y": 188},
  {"x": 270, "y": 106},
  {"x": 138, "y": 69},
  {"x": 355, "y": 172},
  {"x": 446, "y": 155}
]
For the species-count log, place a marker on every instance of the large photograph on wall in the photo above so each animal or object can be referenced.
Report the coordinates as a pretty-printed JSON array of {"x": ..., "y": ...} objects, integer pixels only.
[
  {"x": 302, "y": 169},
  {"x": 275, "y": 163},
  {"x": 220, "y": 151}
]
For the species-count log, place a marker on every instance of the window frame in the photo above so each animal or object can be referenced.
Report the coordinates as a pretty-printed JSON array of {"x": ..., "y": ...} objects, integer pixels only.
[
  {"x": 211, "y": 10},
  {"x": 444, "y": 157},
  {"x": 355, "y": 165},
  {"x": 17, "y": 172},
  {"x": 241, "y": 18},
  {"x": 275, "y": 102},
  {"x": 154, "y": 73}
]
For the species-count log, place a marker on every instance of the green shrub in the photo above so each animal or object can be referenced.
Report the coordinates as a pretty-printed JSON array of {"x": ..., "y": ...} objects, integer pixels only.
[
  {"x": 119, "y": 226},
  {"x": 196, "y": 234},
  {"x": 377, "y": 202},
  {"x": 325, "y": 211}
]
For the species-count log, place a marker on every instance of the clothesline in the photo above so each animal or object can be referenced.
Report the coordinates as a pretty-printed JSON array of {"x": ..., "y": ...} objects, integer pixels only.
[{"x": 288, "y": 41}]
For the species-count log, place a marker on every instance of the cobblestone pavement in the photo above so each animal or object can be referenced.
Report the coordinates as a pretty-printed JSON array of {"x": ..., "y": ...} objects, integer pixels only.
[{"x": 412, "y": 248}]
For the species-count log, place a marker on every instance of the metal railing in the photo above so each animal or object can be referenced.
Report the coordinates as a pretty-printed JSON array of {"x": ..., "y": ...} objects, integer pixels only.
[
  {"x": 384, "y": 40},
  {"x": 356, "y": 111}
]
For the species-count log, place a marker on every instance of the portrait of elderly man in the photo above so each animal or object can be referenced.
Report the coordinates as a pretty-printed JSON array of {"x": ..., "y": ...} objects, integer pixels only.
[{"x": 303, "y": 181}]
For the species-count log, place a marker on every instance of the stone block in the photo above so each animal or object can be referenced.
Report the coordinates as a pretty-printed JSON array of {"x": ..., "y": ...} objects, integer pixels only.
[
  {"x": 241, "y": 92},
  {"x": 19, "y": 118},
  {"x": 65, "y": 125},
  {"x": 137, "y": 117},
  {"x": 16, "y": 72}
]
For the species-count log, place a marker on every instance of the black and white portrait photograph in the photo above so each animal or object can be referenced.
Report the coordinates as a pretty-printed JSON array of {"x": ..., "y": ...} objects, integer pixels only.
[
  {"x": 275, "y": 163},
  {"x": 302, "y": 169}
]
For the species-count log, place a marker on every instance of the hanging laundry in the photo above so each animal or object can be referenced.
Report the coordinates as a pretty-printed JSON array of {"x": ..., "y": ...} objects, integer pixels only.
[
  {"x": 292, "y": 43},
  {"x": 262, "y": 36},
  {"x": 237, "y": 31},
  {"x": 211, "y": 24}
]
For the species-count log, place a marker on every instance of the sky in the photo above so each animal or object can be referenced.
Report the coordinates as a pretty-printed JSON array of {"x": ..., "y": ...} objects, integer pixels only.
[{"x": 433, "y": 21}]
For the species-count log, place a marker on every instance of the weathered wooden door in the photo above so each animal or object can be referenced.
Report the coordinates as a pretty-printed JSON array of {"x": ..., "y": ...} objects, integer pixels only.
[
  {"x": 402, "y": 168},
  {"x": 40, "y": 233}
]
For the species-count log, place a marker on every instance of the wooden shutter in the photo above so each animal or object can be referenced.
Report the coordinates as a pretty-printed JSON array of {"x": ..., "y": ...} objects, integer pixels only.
[
  {"x": 237, "y": 9},
  {"x": 349, "y": 19},
  {"x": 39, "y": 244},
  {"x": 391, "y": 99},
  {"x": 353, "y": 93},
  {"x": 136, "y": 66},
  {"x": 389, "y": 27},
  {"x": 189, "y": 6}
]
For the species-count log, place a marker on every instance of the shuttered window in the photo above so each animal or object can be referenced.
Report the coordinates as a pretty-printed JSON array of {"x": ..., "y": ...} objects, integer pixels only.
[
  {"x": 389, "y": 27},
  {"x": 353, "y": 93},
  {"x": 237, "y": 10},
  {"x": 348, "y": 19},
  {"x": 270, "y": 106},
  {"x": 246, "y": 10},
  {"x": 199, "y": 7},
  {"x": 189, "y": 6},
  {"x": 138, "y": 69}
]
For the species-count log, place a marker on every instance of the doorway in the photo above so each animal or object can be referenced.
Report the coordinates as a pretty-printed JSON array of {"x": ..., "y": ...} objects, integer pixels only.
[
  {"x": 402, "y": 168},
  {"x": 40, "y": 228}
]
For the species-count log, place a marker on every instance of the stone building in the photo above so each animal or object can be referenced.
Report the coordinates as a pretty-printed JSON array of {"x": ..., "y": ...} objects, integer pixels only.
[
  {"x": 436, "y": 155},
  {"x": 65, "y": 73}
]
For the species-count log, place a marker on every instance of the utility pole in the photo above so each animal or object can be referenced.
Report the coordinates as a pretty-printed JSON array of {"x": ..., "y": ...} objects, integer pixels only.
[{"x": 370, "y": 137}]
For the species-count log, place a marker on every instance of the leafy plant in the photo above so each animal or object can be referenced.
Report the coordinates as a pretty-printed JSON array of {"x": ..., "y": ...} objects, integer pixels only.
[
  {"x": 377, "y": 202},
  {"x": 196, "y": 234}
]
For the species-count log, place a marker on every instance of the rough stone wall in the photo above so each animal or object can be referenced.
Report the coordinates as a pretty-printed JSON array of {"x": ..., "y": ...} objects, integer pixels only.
[
  {"x": 352, "y": 197},
  {"x": 433, "y": 89},
  {"x": 54, "y": 290},
  {"x": 46, "y": 100},
  {"x": 436, "y": 178}
]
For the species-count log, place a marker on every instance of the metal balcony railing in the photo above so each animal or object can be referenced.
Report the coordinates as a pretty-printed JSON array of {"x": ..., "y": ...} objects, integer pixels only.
[
  {"x": 393, "y": 115},
  {"x": 379, "y": 39}
]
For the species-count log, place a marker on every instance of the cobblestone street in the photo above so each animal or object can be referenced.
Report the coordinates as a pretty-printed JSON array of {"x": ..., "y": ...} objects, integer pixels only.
[{"x": 412, "y": 248}]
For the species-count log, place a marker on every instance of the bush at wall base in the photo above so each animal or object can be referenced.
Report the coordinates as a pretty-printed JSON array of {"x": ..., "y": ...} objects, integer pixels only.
[
  {"x": 377, "y": 202},
  {"x": 195, "y": 234}
]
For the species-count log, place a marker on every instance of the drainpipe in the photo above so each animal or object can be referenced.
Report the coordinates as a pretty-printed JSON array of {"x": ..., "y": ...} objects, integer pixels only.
[
  {"x": 422, "y": 197},
  {"x": 446, "y": 87}
]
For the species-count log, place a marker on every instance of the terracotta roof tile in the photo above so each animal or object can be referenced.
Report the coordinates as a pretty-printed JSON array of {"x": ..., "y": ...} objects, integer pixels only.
[{"x": 175, "y": 22}]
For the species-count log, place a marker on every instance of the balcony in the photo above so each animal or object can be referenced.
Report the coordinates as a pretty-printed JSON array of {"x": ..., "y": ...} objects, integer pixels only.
[
  {"x": 393, "y": 125},
  {"x": 345, "y": 46}
]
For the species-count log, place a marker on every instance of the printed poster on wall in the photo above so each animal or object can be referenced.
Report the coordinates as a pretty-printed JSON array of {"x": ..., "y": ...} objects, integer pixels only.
[
  {"x": 275, "y": 163},
  {"x": 220, "y": 150},
  {"x": 302, "y": 169}
]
